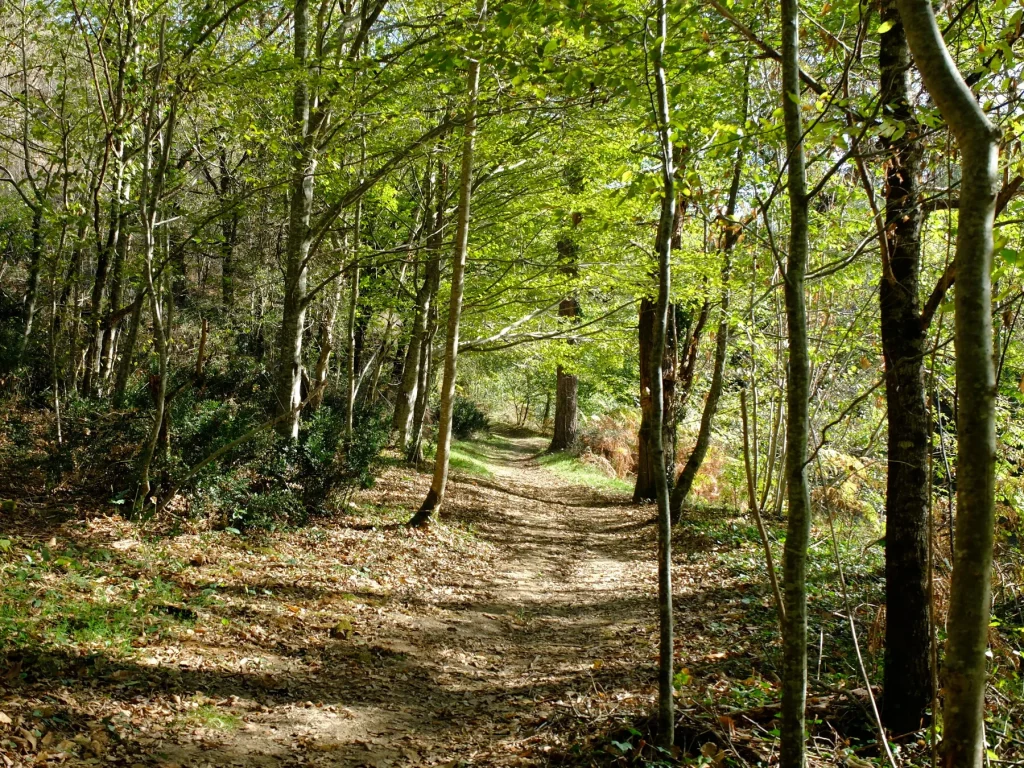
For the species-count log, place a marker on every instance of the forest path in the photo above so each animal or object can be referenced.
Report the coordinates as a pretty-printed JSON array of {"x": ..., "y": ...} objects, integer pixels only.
[{"x": 513, "y": 628}]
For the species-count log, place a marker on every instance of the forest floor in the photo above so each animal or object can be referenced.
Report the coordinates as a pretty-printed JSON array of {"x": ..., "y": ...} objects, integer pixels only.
[{"x": 517, "y": 630}]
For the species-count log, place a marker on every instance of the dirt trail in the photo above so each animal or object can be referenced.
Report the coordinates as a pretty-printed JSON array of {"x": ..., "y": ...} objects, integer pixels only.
[
  {"x": 505, "y": 670},
  {"x": 517, "y": 631}
]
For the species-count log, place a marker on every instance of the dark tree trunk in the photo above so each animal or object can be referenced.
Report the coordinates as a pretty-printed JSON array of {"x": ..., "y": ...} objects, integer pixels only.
[
  {"x": 908, "y": 669},
  {"x": 566, "y": 414},
  {"x": 229, "y": 232},
  {"x": 106, "y": 249},
  {"x": 32, "y": 288},
  {"x": 414, "y": 447},
  {"x": 126, "y": 364},
  {"x": 645, "y": 488},
  {"x": 567, "y": 384},
  {"x": 690, "y": 353},
  {"x": 110, "y": 324}
]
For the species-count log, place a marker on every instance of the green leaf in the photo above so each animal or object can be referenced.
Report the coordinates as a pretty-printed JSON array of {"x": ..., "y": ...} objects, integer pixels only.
[{"x": 885, "y": 26}]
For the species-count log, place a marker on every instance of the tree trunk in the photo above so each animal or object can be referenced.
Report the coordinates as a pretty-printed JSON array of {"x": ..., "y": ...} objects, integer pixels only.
[
  {"x": 352, "y": 368},
  {"x": 229, "y": 232},
  {"x": 666, "y": 691},
  {"x": 405, "y": 403},
  {"x": 35, "y": 257},
  {"x": 691, "y": 352},
  {"x": 970, "y": 590},
  {"x": 435, "y": 497},
  {"x": 300, "y": 204},
  {"x": 90, "y": 380},
  {"x": 794, "y": 572},
  {"x": 110, "y": 325},
  {"x": 326, "y": 347},
  {"x": 729, "y": 238},
  {"x": 645, "y": 488},
  {"x": 414, "y": 448},
  {"x": 908, "y": 669},
  {"x": 700, "y": 449},
  {"x": 150, "y": 195},
  {"x": 126, "y": 364},
  {"x": 566, "y": 413},
  {"x": 567, "y": 384}
]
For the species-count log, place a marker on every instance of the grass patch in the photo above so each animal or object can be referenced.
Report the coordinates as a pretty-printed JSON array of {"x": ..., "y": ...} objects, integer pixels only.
[
  {"x": 467, "y": 458},
  {"x": 209, "y": 716},
  {"x": 571, "y": 469},
  {"x": 83, "y": 597}
]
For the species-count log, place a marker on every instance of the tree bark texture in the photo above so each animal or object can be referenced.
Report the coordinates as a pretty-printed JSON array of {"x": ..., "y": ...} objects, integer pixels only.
[
  {"x": 908, "y": 669},
  {"x": 645, "y": 490},
  {"x": 794, "y": 572}
]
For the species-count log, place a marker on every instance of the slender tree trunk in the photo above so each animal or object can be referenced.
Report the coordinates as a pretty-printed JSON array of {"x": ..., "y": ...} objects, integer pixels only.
[
  {"x": 970, "y": 591},
  {"x": 666, "y": 690},
  {"x": 110, "y": 324},
  {"x": 35, "y": 257},
  {"x": 435, "y": 497},
  {"x": 229, "y": 232},
  {"x": 300, "y": 203},
  {"x": 414, "y": 448},
  {"x": 908, "y": 669},
  {"x": 150, "y": 194},
  {"x": 408, "y": 393},
  {"x": 794, "y": 572},
  {"x": 353, "y": 351},
  {"x": 326, "y": 347},
  {"x": 690, "y": 353},
  {"x": 90, "y": 381},
  {"x": 127, "y": 362},
  {"x": 729, "y": 238},
  {"x": 700, "y": 449}
]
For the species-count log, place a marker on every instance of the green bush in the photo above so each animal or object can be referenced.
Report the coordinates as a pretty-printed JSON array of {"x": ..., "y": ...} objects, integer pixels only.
[
  {"x": 272, "y": 482},
  {"x": 468, "y": 419}
]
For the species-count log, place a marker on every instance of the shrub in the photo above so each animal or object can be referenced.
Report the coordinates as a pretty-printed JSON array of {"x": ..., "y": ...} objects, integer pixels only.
[{"x": 468, "y": 419}]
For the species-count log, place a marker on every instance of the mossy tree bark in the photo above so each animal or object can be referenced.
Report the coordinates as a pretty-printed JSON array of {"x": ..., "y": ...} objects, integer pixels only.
[
  {"x": 970, "y": 591},
  {"x": 794, "y": 572}
]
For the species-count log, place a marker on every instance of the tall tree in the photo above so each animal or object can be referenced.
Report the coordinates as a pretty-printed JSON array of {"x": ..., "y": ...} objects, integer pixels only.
[
  {"x": 908, "y": 669},
  {"x": 435, "y": 496},
  {"x": 662, "y": 115},
  {"x": 567, "y": 384},
  {"x": 798, "y": 531},
  {"x": 970, "y": 590}
]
